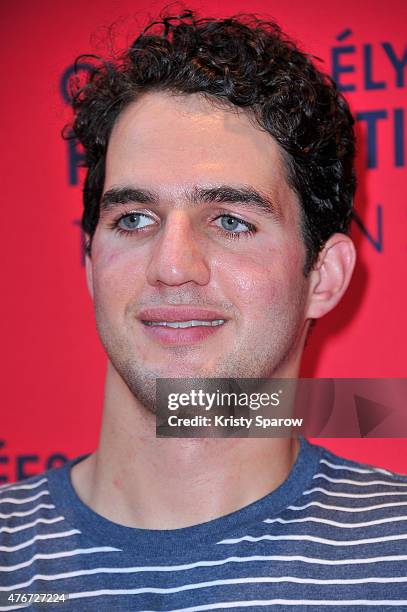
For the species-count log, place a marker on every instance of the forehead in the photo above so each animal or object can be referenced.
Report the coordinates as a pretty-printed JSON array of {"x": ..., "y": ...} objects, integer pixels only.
[{"x": 173, "y": 142}]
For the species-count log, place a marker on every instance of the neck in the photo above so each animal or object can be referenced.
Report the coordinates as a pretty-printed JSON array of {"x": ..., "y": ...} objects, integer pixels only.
[{"x": 138, "y": 480}]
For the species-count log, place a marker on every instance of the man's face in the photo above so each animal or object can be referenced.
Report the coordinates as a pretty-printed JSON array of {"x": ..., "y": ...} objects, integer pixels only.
[{"x": 189, "y": 248}]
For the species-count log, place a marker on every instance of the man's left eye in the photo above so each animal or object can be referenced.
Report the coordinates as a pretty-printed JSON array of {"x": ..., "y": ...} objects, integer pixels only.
[
  {"x": 133, "y": 221},
  {"x": 233, "y": 224}
]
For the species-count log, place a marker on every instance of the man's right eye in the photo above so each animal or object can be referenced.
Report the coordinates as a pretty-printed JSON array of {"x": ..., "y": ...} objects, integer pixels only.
[{"x": 133, "y": 221}]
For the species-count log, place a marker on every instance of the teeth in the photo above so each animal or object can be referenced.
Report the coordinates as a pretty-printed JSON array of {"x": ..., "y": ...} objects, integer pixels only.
[{"x": 182, "y": 324}]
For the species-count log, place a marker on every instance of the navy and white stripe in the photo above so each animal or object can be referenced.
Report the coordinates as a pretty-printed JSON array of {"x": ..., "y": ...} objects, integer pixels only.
[{"x": 332, "y": 536}]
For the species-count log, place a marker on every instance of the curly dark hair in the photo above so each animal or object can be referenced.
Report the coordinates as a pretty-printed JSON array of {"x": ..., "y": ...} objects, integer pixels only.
[{"x": 243, "y": 61}]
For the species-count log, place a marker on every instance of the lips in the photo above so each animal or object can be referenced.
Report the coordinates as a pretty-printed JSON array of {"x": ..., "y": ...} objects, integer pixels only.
[
  {"x": 184, "y": 324},
  {"x": 179, "y": 314},
  {"x": 181, "y": 325}
]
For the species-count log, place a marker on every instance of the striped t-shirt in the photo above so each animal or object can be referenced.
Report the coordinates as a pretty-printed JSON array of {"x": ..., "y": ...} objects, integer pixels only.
[{"x": 332, "y": 537}]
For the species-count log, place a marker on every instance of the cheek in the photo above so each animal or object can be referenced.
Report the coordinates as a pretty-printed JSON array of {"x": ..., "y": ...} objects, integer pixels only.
[
  {"x": 264, "y": 282},
  {"x": 116, "y": 276}
]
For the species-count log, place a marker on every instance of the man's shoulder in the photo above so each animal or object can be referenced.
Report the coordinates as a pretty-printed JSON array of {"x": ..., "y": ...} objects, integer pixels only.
[
  {"x": 28, "y": 503},
  {"x": 31, "y": 488},
  {"x": 335, "y": 464},
  {"x": 342, "y": 482}
]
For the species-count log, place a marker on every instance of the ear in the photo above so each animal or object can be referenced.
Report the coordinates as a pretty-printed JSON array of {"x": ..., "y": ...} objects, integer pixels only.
[
  {"x": 331, "y": 275},
  {"x": 89, "y": 266}
]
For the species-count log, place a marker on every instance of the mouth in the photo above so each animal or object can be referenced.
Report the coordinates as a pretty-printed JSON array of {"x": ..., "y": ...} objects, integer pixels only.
[
  {"x": 181, "y": 325},
  {"x": 185, "y": 324}
]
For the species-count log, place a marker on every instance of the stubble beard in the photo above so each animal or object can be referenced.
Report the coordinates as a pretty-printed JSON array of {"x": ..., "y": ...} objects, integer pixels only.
[{"x": 252, "y": 362}]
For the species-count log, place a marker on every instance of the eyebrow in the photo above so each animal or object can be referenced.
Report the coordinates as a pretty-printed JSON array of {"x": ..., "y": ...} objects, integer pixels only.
[{"x": 244, "y": 195}]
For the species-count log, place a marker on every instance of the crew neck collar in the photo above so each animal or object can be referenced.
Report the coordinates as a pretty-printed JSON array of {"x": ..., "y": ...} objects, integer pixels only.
[{"x": 175, "y": 542}]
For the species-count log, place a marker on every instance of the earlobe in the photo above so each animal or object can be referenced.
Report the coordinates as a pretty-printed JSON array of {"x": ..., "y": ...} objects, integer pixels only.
[{"x": 331, "y": 275}]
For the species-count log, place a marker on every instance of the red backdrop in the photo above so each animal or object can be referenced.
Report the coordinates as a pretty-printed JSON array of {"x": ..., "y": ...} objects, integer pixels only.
[{"x": 52, "y": 363}]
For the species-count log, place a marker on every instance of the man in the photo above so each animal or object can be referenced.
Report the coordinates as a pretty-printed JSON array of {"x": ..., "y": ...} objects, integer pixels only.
[{"x": 217, "y": 201}]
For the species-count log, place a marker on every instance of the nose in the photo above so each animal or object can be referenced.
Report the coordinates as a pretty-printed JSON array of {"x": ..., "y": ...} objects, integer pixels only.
[{"x": 178, "y": 255}]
